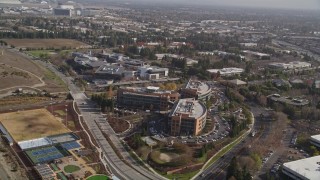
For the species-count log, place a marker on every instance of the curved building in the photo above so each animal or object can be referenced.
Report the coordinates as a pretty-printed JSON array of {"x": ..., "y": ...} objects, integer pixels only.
[
  {"x": 197, "y": 90},
  {"x": 187, "y": 117}
]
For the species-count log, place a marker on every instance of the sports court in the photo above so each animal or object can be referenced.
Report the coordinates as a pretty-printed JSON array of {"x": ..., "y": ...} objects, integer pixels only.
[
  {"x": 43, "y": 155},
  {"x": 71, "y": 145}
]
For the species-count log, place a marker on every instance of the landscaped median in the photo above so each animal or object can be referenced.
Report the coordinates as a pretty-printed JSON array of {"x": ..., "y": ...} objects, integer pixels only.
[
  {"x": 227, "y": 148},
  {"x": 223, "y": 151}
]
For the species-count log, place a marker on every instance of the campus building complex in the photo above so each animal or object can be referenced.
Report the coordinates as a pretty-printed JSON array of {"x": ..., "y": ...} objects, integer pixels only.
[
  {"x": 151, "y": 98},
  {"x": 187, "y": 117},
  {"x": 197, "y": 90}
]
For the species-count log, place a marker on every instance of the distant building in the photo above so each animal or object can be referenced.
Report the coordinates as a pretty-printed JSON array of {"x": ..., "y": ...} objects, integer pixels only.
[
  {"x": 288, "y": 100},
  {"x": 226, "y": 71},
  {"x": 62, "y": 12},
  {"x": 249, "y": 44},
  {"x": 151, "y": 98},
  {"x": 289, "y": 66},
  {"x": 303, "y": 169},
  {"x": 257, "y": 54},
  {"x": 197, "y": 90},
  {"x": 153, "y": 72},
  {"x": 113, "y": 72},
  {"x": 316, "y": 84},
  {"x": 315, "y": 140},
  {"x": 45, "y": 172},
  {"x": 237, "y": 82},
  {"x": 133, "y": 63},
  {"x": 187, "y": 117}
]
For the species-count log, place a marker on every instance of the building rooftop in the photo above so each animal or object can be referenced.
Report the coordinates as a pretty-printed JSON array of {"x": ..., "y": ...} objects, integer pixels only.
[
  {"x": 34, "y": 143},
  {"x": 110, "y": 69},
  {"x": 190, "y": 107},
  {"x": 316, "y": 138},
  {"x": 149, "y": 89},
  {"x": 45, "y": 171},
  {"x": 291, "y": 65},
  {"x": 6, "y": 134},
  {"x": 226, "y": 70},
  {"x": 289, "y": 100},
  {"x": 308, "y": 168},
  {"x": 201, "y": 87}
]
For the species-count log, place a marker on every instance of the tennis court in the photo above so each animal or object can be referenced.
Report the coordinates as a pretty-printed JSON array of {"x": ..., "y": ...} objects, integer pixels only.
[
  {"x": 44, "y": 154},
  {"x": 71, "y": 145}
]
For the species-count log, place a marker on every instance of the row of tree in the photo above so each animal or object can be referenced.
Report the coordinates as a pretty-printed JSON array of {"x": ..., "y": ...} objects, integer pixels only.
[{"x": 104, "y": 101}]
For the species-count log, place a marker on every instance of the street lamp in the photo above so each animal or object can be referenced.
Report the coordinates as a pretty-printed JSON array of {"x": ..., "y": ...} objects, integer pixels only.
[{"x": 66, "y": 117}]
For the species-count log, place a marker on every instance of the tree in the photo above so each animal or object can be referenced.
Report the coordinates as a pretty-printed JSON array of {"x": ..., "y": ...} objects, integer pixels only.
[{"x": 232, "y": 168}]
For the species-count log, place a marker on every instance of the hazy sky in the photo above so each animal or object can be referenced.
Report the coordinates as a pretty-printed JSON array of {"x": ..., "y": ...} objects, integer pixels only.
[{"x": 295, "y": 4}]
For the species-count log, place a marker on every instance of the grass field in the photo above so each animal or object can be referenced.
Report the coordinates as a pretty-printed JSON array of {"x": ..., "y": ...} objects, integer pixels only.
[
  {"x": 71, "y": 168},
  {"x": 45, "y": 43},
  {"x": 31, "y": 124},
  {"x": 98, "y": 177},
  {"x": 39, "y": 53},
  {"x": 60, "y": 112}
]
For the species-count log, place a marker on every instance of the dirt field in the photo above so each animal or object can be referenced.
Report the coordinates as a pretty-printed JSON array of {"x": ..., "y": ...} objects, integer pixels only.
[
  {"x": 11, "y": 77},
  {"x": 13, "y": 61},
  {"x": 45, "y": 43},
  {"x": 31, "y": 124}
]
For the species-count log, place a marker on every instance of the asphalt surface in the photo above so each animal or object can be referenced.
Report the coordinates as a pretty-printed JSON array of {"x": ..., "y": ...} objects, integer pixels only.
[
  {"x": 218, "y": 169},
  {"x": 98, "y": 124}
]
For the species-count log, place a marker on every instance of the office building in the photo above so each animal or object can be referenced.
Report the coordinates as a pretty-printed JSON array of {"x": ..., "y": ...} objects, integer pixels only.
[
  {"x": 197, "y": 90},
  {"x": 187, "y": 117},
  {"x": 151, "y": 98}
]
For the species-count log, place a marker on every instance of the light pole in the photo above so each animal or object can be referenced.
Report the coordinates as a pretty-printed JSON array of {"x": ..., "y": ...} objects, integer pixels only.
[
  {"x": 66, "y": 115},
  {"x": 51, "y": 106}
]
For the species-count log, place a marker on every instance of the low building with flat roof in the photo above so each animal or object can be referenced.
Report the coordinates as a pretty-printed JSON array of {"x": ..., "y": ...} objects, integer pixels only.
[
  {"x": 197, "y": 90},
  {"x": 315, "y": 140},
  {"x": 153, "y": 72},
  {"x": 113, "y": 72},
  {"x": 289, "y": 66},
  {"x": 151, "y": 98},
  {"x": 288, "y": 100},
  {"x": 45, "y": 172},
  {"x": 226, "y": 71},
  {"x": 187, "y": 117},
  {"x": 303, "y": 169}
]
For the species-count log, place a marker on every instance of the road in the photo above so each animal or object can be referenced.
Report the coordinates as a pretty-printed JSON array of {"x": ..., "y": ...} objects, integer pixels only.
[
  {"x": 97, "y": 124},
  {"x": 218, "y": 169}
]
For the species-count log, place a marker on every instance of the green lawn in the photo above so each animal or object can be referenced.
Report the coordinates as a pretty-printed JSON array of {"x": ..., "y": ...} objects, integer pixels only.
[
  {"x": 98, "y": 177},
  {"x": 221, "y": 153},
  {"x": 71, "y": 168},
  {"x": 60, "y": 112},
  {"x": 185, "y": 176},
  {"x": 41, "y": 53},
  {"x": 54, "y": 167}
]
